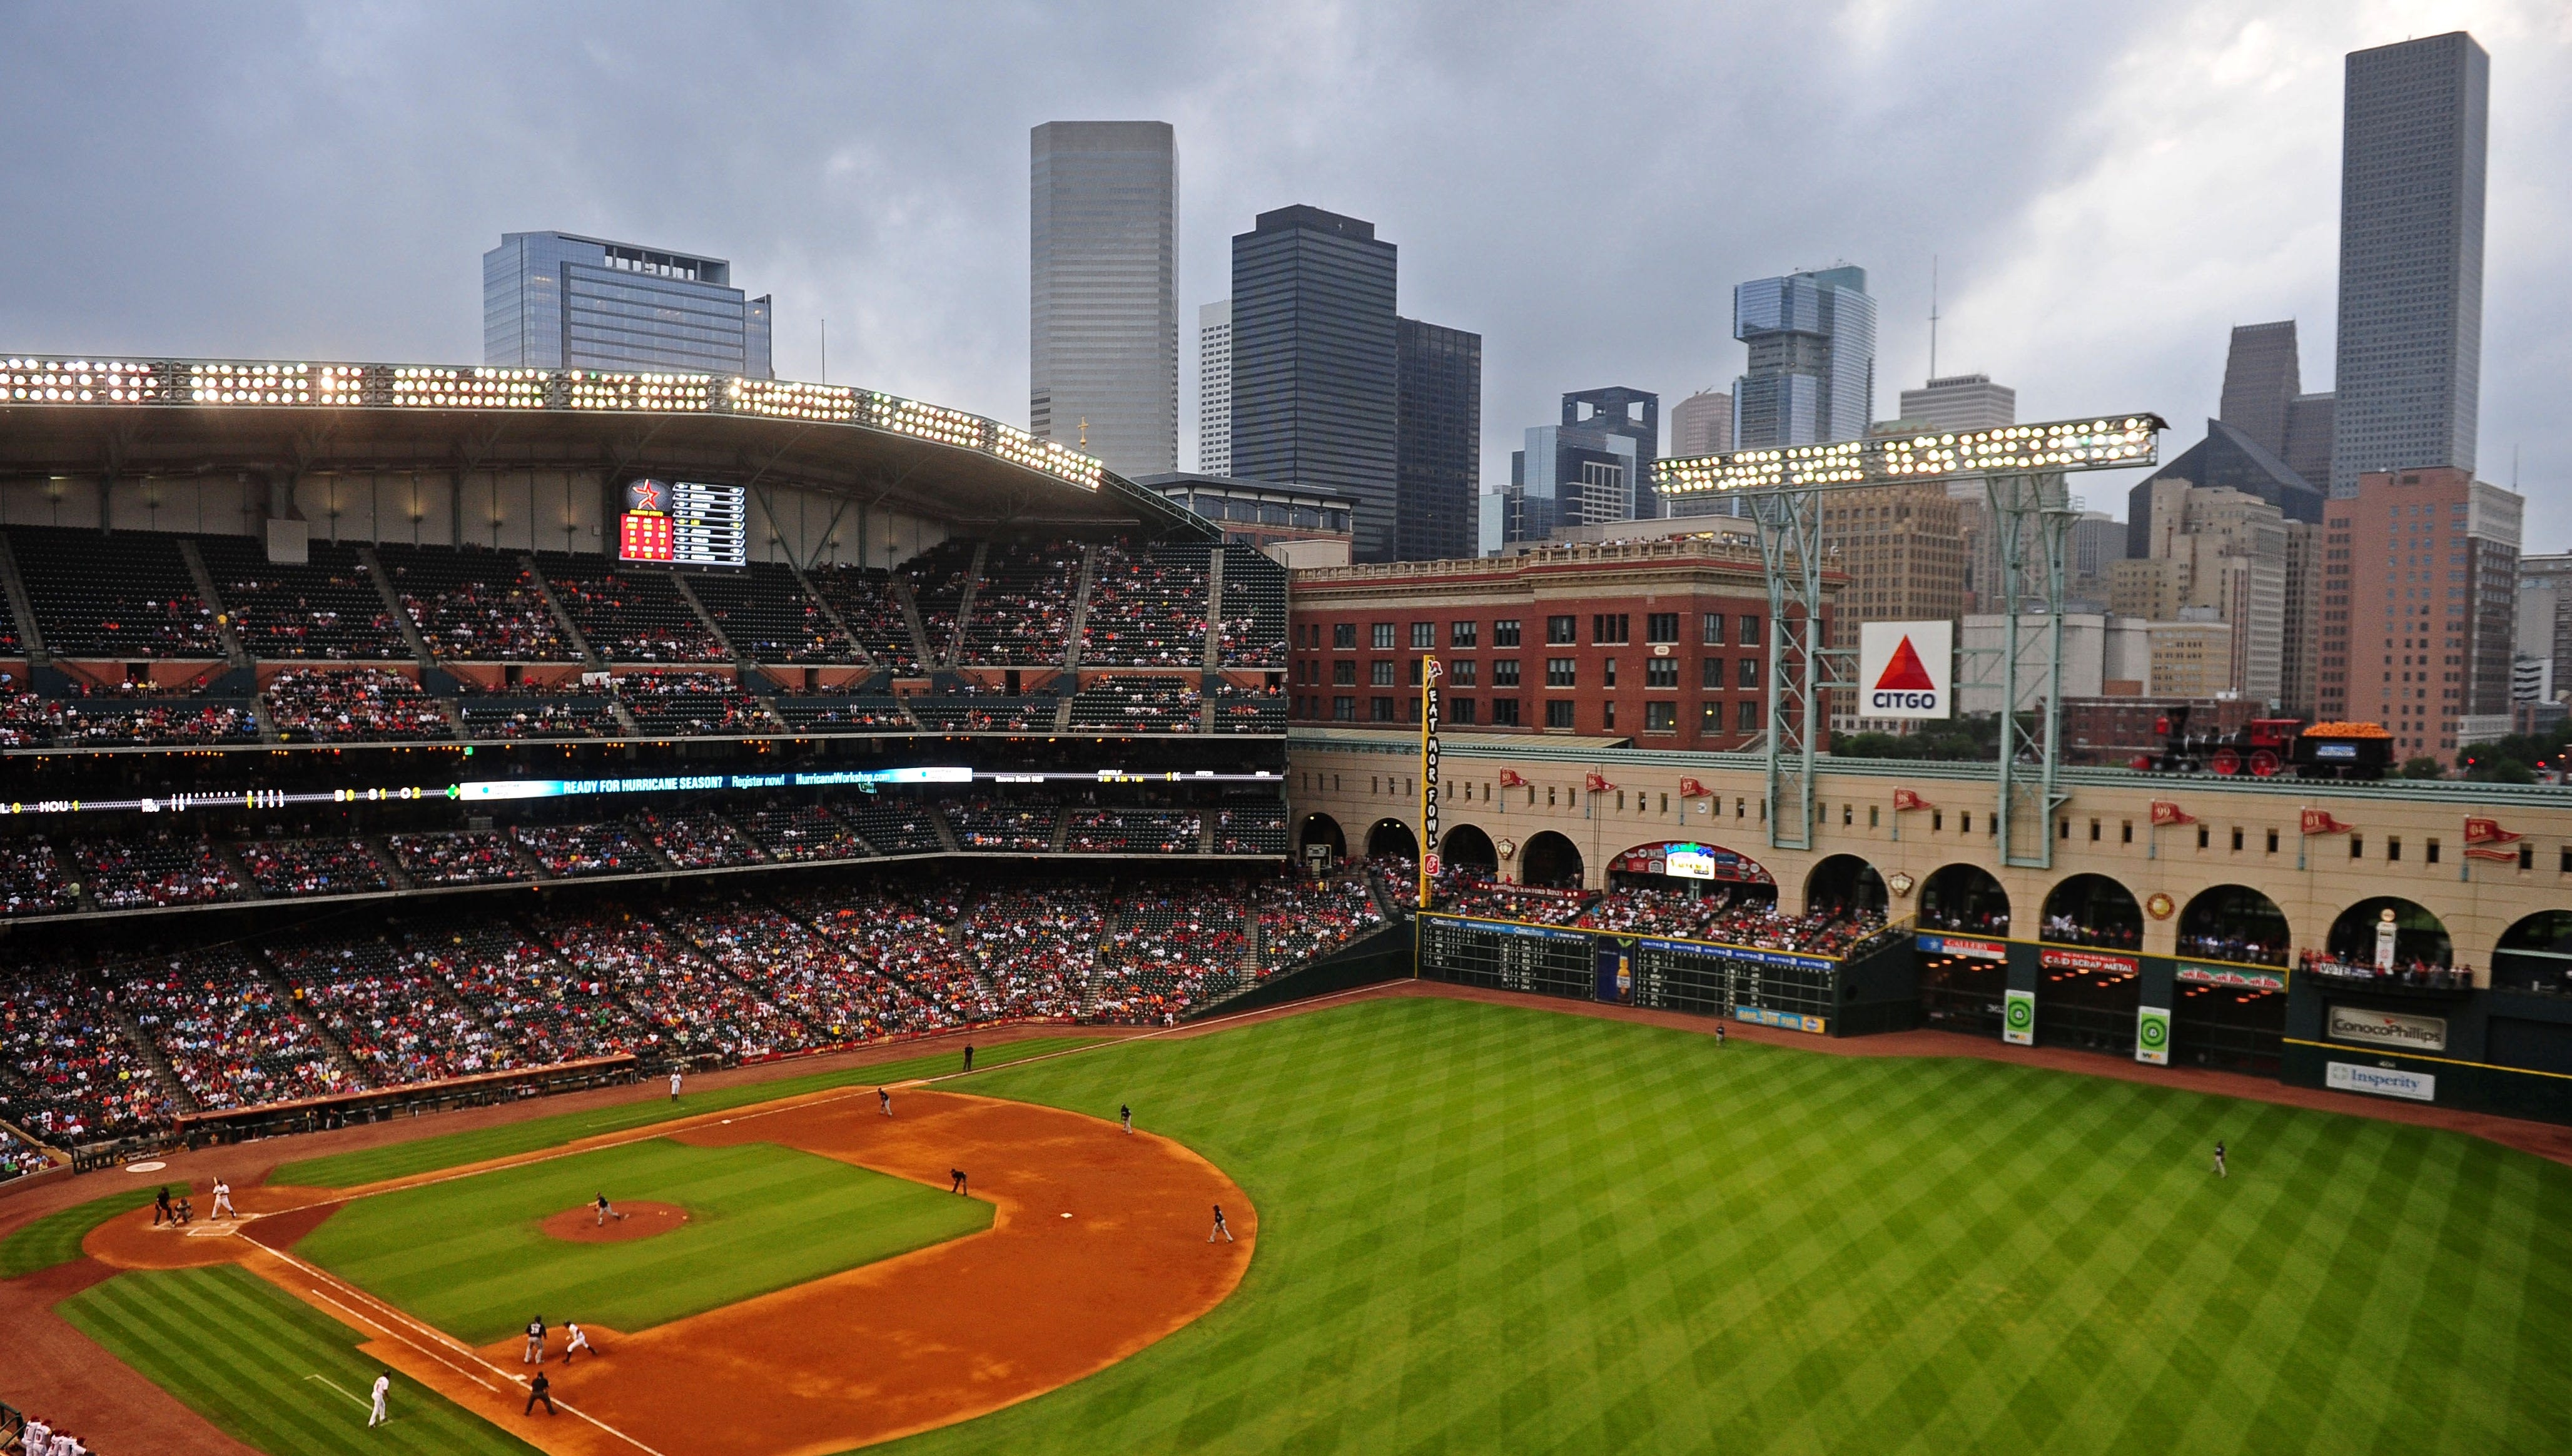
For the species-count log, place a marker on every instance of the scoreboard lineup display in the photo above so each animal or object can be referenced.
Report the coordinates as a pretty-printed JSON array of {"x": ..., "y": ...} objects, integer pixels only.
[{"x": 684, "y": 522}]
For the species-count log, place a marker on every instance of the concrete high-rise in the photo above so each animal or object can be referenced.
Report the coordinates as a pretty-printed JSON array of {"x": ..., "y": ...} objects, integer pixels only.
[
  {"x": 2263, "y": 399},
  {"x": 2408, "y": 379},
  {"x": 556, "y": 300},
  {"x": 1214, "y": 388},
  {"x": 1701, "y": 425},
  {"x": 2419, "y": 605},
  {"x": 1103, "y": 311},
  {"x": 1316, "y": 363},
  {"x": 1440, "y": 441},
  {"x": 1962, "y": 402},
  {"x": 1811, "y": 378}
]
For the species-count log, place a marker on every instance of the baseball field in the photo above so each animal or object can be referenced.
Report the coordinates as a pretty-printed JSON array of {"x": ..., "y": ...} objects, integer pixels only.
[{"x": 1466, "y": 1226}]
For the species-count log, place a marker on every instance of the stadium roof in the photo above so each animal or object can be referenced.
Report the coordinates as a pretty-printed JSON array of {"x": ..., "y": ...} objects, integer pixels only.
[{"x": 130, "y": 416}]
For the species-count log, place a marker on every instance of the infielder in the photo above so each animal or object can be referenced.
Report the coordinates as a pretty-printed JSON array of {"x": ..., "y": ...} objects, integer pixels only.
[
  {"x": 536, "y": 1354},
  {"x": 884, "y": 1102},
  {"x": 383, "y": 1386},
  {"x": 1125, "y": 1114},
  {"x": 223, "y": 1199},
  {"x": 1219, "y": 1226},
  {"x": 579, "y": 1341},
  {"x": 956, "y": 1180}
]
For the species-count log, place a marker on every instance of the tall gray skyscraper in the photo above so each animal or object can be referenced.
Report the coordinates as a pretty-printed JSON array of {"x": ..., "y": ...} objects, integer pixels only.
[
  {"x": 556, "y": 300},
  {"x": 1962, "y": 402},
  {"x": 1315, "y": 368},
  {"x": 2263, "y": 399},
  {"x": 1104, "y": 274},
  {"x": 1812, "y": 360},
  {"x": 1701, "y": 425},
  {"x": 2409, "y": 374},
  {"x": 1214, "y": 388}
]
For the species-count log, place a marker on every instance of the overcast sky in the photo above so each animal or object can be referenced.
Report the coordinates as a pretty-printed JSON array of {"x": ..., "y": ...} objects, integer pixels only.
[{"x": 2108, "y": 187}]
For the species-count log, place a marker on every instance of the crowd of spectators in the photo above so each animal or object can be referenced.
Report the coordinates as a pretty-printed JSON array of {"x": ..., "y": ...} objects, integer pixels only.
[
  {"x": 2068, "y": 930},
  {"x": 1038, "y": 949},
  {"x": 686, "y": 1003},
  {"x": 1731, "y": 916},
  {"x": 696, "y": 841},
  {"x": 2416, "y": 972},
  {"x": 476, "y": 606},
  {"x": 1148, "y": 607},
  {"x": 2248, "y": 950},
  {"x": 1250, "y": 710},
  {"x": 373, "y": 704},
  {"x": 312, "y": 867},
  {"x": 19, "y": 1157},
  {"x": 32, "y": 881},
  {"x": 1002, "y": 825},
  {"x": 508, "y": 719},
  {"x": 154, "y": 868},
  {"x": 571, "y": 850},
  {"x": 474, "y": 857},
  {"x": 1168, "y": 952},
  {"x": 1023, "y": 604},
  {"x": 67, "y": 1072},
  {"x": 692, "y": 704},
  {"x": 1134, "y": 831},
  {"x": 1300, "y": 918},
  {"x": 838, "y": 996},
  {"x": 391, "y": 1012},
  {"x": 551, "y": 1012},
  {"x": 230, "y": 1035},
  {"x": 630, "y": 617}
]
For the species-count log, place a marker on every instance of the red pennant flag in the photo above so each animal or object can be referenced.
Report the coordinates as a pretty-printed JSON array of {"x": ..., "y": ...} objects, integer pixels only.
[
  {"x": 1692, "y": 789},
  {"x": 1598, "y": 783},
  {"x": 1906, "y": 800},
  {"x": 1905, "y": 672},
  {"x": 2319, "y": 821},
  {"x": 2165, "y": 812},
  {"x": 1510, "y": 779},
  {"x": 2505, "y": 856},
  {"x": 2489, "y": 830}
]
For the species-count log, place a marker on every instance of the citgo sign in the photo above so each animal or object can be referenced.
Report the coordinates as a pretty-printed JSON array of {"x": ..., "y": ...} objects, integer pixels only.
[{"x": 1906, "y": 669}]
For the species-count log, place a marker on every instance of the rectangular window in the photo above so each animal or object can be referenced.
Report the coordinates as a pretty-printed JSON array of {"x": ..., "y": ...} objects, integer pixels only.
[
  {"x": 1380, "y": 672},
  {"x": 1607, "y": 715},
  {"x": 1714, "y": 629},
  {"x": 1461, "y": 634},
  {"x": 1710, "y": 673},
  {"x": 1345, "y": 709},
  {"x": 2357, "y": 846},
  {"x": 1710, "y": 720},
  {"x": 1746, "y": 716},
  {"x": 1463, "y": 674},
  {"x": 1344, "y": 675},
  {"x": 1661, "y": 717},
  {"x": 1424, "y": 635},
  {"x": 1505, "y": 712},
  {"x": 1557, "y": 714},
  {"x": 1661, "y": 672},
  {"x": 2204, "y": 836},
  {"x": 1937, "y": 820},
  {"x": 2236, "y": 839},
  {"x": 1344, "y": 636},
  {"x": 1561, "y": 631},
  {"x": 2125, "y": 832},
  {"x": 2094, "y": 830},
  {"x": 2392, "y": 848},
  {"x": 1562, "y": 671},
  {"x": 1750, "y": 632},
  {"x": 1414, "y": 670},
  {"x": 2273, "y": 840},
  {"x": 1505, "y": 632},
  {"x": 1749, "y": 676},
  {"x": 1459, "y": 710},
  {"x": 1611, "y": 671},
  {"x": 2430, "y": 853},
  {"x": 1661, "y": 627},
  {"x": 1380, "y": 709},
  {"x": 1383, "y": 637},
  {"x": 1609, "y": 628},
  {"x": 1504, "y": 673}
]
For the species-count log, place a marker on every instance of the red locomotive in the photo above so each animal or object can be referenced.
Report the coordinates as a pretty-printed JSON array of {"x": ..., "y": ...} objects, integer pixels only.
[{"x": 2267, "y": 747}]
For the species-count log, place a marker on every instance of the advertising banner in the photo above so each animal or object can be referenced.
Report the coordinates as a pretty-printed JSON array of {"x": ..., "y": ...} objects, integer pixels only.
[
  {"x": 1906, "y": 669},
  {"x": 2384, "y": 1081},
  {"x": 2058, "y": 958},
  {"x": 2387, "y": 1029},
  {"x": 2018, "y": 1017},
  {"x": 1789, "y": 1021},
  {"x": 1960, "y": 946},
  {"x": 2151, "y": 1035},
  {"x": 2232, "y": 976}
]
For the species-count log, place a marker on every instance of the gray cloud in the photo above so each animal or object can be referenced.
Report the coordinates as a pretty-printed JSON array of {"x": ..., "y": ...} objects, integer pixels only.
[{"x": 2109, "y": 188}]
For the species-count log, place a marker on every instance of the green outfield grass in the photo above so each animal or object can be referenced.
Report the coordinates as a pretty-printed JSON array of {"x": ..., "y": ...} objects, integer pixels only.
[
  {"x": 374, "y": 1164},
  {"x": 41, "y": 1244},
  {"x": 1491, "y": 1228},
  {"x": 468, "y": 1256},
  {"x": 270, "y": 1371}
]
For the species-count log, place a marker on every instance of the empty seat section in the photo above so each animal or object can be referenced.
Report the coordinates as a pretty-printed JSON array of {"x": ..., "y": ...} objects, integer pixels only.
[
  {"x": 477, "y": 605},
  {"x": 569, "y": 850},
  {"x": 1253, "y": 620},
  {"x": 1003, "y": 826},
  {"x": 765, "y": 616},
  {"x": 937, "y": 581},
  {"x": 1139, "y": 705},
  {"x": 474, "y": 857},
  {"x": 864, "y": 598},
  {"x": 824, "y": 713},
  {"x": 893, "y": 826},
  {"x": 1134, "y": 831},
  {"x": 154, "y": 868},
  {"x": 629, "y": 614},
  {"x": 125, "y": 595},
  {"x": 992, "y": 714},
  {"x": 691, "y": 704},
  {"x": 327, "y": 607}
]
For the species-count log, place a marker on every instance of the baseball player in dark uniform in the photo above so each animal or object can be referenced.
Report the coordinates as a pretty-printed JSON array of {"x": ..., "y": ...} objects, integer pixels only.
[
  {"x": 956, "y": 1180},
  {"x": 535, "y": 1352},
  {"x": 884, "y": 1102},
  {"x": 1219, "y": 1226},
  {"x": 1125, "y": 1114}
]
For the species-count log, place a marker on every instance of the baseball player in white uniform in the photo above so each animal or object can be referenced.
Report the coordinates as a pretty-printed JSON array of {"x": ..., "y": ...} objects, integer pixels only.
[
  {"x": 36, "y": 1435},
  {"x": 579, "y": 1342},
  {"x": 223, "y": 1198},
  {"x": 674, "y": 1084},
  {"x": 383, "y": 1387}
]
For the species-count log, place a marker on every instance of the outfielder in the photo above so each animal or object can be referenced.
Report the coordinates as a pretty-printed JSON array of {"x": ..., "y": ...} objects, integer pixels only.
[
  {"x": 2218, "y": 1161},
  {"x": 536, "y": 1354},
  {"x": 1125, "y": 1114},
  {"x": 1219, "y": 1226},
  {"x": 579, "y": 1341},
  {"x": 383, "y": 1386},
  {"x": 223, "y": 1199}
]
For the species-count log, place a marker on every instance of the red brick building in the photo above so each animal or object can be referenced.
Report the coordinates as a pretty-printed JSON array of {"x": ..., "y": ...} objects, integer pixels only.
[
  {"x": 2419, "y": 573},
  {"x": 1663, "y": 641}
]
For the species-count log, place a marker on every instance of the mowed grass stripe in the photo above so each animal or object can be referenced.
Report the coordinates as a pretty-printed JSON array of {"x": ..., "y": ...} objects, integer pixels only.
[
  {"x": 238, "y": 1351},
  {"x": 454, "y": 1150},
  {"x": 468, "y": 1257},
  {"x": 1493, "y": 1228},
  {"x": 42, "y": 1243}
]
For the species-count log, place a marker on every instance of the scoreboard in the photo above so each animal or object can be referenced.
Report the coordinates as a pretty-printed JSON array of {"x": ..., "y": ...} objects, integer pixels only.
[{"x": 684, "y": 522}]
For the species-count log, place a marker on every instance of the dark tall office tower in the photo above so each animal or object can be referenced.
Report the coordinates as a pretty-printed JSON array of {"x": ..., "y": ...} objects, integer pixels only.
[
  {"x": 1440, "y": 455},
  {"x": 1315, "y": 367},
  {"x": 2262, "y": 378},
  {"x": 2409, "y": 382},
  {"x": 1103, "y": 297}
]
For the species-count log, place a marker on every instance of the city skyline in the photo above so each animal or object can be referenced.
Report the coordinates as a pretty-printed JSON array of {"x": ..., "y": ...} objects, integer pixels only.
[{"x": 898, "y": 214}]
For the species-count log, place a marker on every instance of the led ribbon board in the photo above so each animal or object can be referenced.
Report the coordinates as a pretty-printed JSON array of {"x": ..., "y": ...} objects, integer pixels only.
[{"x": 2072, "y": 445}]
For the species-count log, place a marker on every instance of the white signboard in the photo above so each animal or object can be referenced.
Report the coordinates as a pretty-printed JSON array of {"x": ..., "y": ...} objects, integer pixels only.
[
  {"x": 1691, "y": 864},
  {"x": 1906, "y": 669},
  {"x": 2387, "y": 1029},
  {"x": 2384, "y": 1081}
]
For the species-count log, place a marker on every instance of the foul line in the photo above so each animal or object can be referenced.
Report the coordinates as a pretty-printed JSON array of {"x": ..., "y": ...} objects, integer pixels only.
[{"x": 362, "y": 1402}]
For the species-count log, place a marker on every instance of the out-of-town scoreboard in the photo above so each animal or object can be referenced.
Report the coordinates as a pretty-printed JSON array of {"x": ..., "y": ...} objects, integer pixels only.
[{"x": 684, "y": 522}]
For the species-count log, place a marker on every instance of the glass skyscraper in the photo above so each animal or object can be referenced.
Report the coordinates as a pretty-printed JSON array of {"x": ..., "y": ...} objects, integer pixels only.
[
  {"x": 1812, "y": 360},
  {"x": 2410, "y": 374},
  {"x": 560, "y": 301},
  {"x": 1439, "y": 460},
  {"x": 1315, "y": 363},
  {"x": 1103, "y": 310}
]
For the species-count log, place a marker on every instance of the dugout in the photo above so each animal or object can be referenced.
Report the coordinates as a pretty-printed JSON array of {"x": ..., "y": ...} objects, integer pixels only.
[{"x": 315, "y": 1115}]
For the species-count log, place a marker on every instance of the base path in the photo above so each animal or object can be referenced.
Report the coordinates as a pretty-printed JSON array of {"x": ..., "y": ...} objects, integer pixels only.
[{"x": 1097, "y": 1248}]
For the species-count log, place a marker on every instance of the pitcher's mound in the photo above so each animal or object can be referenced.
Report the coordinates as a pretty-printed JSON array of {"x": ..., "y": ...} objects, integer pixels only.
[{"x": 641, "y": 1221}]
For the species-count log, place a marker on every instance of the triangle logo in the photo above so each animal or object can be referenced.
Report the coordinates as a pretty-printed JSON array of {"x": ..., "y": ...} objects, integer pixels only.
[{"x": 1905, "y": 672}]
